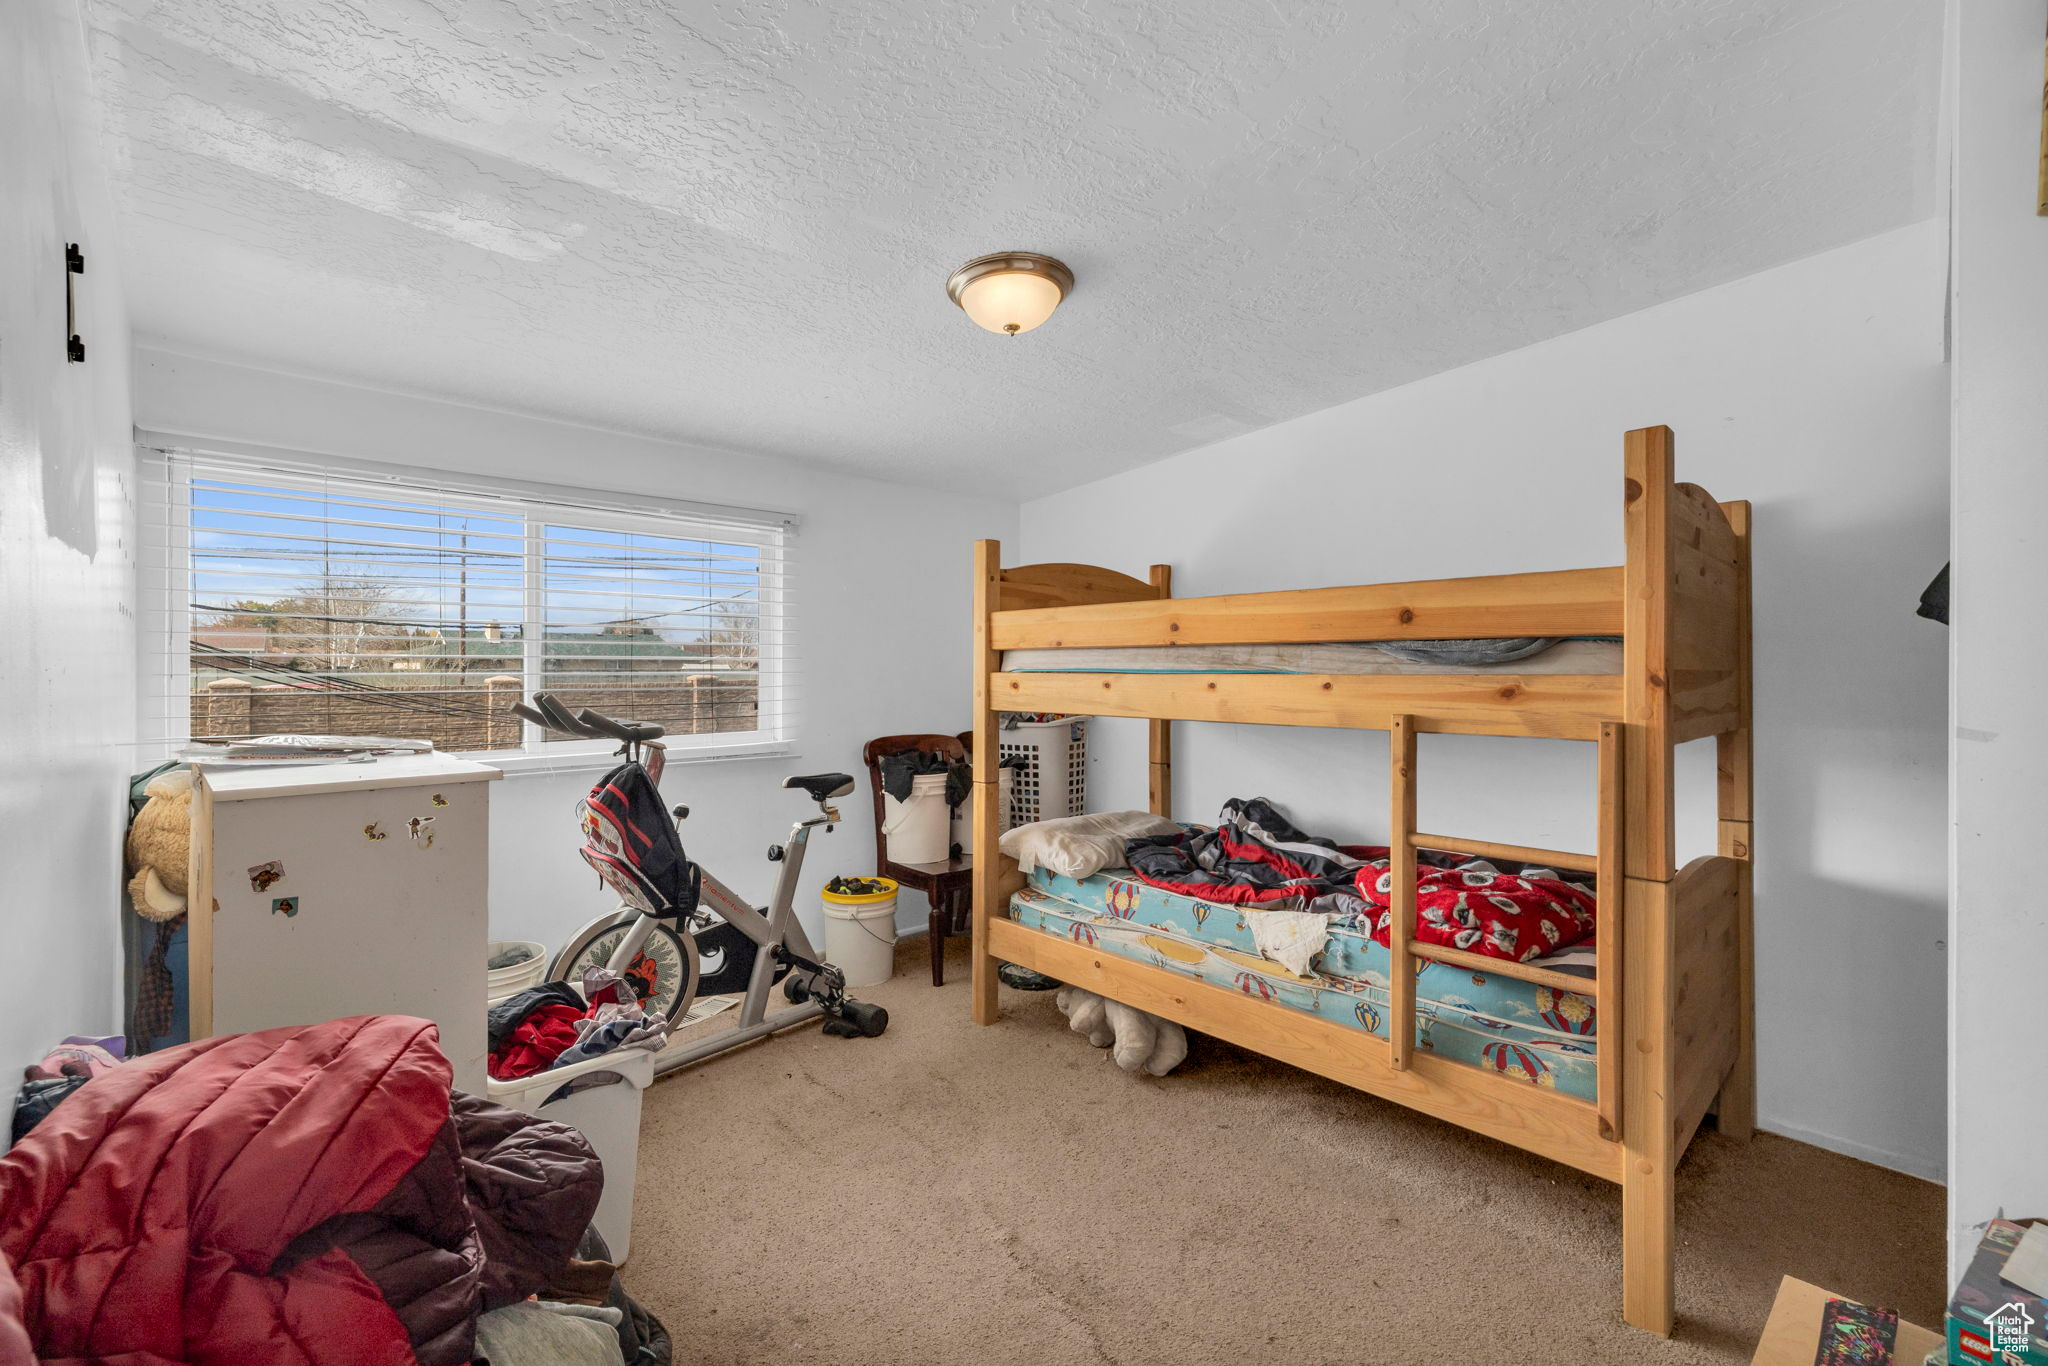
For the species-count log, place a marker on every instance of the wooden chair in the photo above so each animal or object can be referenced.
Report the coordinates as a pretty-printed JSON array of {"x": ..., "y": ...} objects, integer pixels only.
[{"x": 947, "y": 884}]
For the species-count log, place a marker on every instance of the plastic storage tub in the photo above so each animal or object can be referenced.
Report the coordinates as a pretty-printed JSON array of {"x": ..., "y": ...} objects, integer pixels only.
[
  {"x": 609, "y": 1116},
  {"x": 506, "y": 982}
]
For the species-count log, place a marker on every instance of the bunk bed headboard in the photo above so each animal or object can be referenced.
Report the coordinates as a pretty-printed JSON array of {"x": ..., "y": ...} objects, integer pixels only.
[
  {"x": 1069, "y": 585},
  {"x": 1075, "y": 585}
]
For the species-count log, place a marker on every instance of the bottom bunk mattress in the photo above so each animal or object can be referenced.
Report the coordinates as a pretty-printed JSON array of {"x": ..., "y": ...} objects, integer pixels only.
[{"x": 1521, "y": 1030}]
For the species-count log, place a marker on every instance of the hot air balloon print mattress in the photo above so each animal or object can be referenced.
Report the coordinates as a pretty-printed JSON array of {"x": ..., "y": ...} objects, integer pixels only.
[{"x": 1528, "y": 1032}]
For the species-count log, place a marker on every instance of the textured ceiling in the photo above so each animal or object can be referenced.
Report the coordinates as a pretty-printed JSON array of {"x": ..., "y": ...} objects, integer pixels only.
[{"x": 731, "y": 222}]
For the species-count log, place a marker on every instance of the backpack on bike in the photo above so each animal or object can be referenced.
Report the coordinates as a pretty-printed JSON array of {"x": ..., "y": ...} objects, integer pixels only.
[{"x": 631, "y": 842}]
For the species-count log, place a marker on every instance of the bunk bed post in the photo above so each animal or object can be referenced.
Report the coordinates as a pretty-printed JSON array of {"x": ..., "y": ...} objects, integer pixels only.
[
  {"x": 988, "y": 569},
  {"x": 1648, "y": 837},
  {"x": 1401, "y": 891},
  {"x": 1735, "y": 1107},
  {"x": 1160, "y": 733}
]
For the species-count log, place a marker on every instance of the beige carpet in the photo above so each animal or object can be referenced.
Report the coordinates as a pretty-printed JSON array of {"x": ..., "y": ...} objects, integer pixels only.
[{"x": 948, "y": 1193}]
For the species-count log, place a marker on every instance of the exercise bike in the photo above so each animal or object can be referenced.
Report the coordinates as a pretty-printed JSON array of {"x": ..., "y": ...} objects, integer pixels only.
[{"x": 680, "y": 932}]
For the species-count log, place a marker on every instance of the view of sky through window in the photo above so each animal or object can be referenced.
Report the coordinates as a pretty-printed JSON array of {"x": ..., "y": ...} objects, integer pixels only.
[{"x": 346, "y": 611}]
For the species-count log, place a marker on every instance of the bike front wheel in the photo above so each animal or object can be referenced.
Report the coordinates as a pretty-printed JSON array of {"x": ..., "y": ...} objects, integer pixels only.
[{"x": 662, "y": 976}]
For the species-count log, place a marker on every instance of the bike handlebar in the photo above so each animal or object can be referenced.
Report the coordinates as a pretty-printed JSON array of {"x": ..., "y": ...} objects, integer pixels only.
[{"x": 585, "y": 724}]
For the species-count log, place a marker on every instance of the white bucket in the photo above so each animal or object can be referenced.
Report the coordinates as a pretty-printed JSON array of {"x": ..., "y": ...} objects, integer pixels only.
[
  {"x": 963, "y": 819},
  {"x": 609, "y": 1116},
  {"x": 860, "y": 934},
  {"x": 504, "y": 983},
  {"x": 916, "y": 828}
]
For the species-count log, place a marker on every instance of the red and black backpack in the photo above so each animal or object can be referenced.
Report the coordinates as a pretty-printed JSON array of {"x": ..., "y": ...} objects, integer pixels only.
[{"x": 631, "y": 842}]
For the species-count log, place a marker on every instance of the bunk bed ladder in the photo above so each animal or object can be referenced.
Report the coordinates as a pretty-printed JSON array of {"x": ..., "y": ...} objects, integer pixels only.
[{"x": 1405, "y": 956}]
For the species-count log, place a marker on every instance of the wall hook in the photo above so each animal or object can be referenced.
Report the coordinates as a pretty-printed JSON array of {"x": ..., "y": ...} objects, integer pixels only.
[{"x": 74, "y": 264}]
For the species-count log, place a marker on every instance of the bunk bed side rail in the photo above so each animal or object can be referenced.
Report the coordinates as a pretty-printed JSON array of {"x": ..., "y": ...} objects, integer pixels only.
[
  {"x": 1557, "y": 706},
  {"x": 1566, "y": 602},
  {"x": 1538, "y": 1120}
]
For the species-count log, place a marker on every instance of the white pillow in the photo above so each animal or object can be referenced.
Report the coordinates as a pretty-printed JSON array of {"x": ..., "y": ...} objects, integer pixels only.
[{"x": 1081, "y": 846}]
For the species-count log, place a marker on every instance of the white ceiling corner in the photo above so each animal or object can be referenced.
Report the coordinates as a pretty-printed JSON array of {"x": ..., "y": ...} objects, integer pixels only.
[{"x": 731, "y": 222}]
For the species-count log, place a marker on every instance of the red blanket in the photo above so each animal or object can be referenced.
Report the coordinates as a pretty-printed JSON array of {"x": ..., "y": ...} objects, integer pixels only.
[
  {"x": 303, "y": 1195},
  {"x": 1256, "y": 857}
]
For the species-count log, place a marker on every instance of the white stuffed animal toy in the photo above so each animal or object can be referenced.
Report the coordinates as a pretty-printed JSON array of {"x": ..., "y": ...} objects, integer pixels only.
[{"x": 1136, "y": 1040}]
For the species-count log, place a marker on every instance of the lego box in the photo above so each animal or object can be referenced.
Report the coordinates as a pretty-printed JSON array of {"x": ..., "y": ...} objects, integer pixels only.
[{"x": 1993, "y": 1321}]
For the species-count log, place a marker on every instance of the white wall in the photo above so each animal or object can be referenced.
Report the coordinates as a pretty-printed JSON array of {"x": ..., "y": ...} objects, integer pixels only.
[
  {"x": 1817, "y": 392},
  {"x": 1997, "y": 1000},
  {"x": 880, "y": 621},
  {"x": 66, "y": 574}
]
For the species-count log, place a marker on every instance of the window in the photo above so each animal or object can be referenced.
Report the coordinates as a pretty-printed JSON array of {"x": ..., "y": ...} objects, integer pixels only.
[{"x": 284, "y": 595}]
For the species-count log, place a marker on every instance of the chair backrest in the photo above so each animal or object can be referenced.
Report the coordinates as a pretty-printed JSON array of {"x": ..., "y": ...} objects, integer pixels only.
[{"x": 872, "y": 754}]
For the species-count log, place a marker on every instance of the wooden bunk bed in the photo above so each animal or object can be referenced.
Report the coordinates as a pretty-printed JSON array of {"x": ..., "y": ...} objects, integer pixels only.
[{"x": 1674, "y": 944}]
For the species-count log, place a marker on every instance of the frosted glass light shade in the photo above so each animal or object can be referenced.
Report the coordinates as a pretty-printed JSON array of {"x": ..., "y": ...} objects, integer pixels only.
[
  {"x": 1010, "y": 292},
  {"x": 1010, "y": 301}
]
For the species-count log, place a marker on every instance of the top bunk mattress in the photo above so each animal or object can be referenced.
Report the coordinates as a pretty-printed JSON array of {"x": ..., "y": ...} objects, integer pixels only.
[{"x": 1580, "y": 656}]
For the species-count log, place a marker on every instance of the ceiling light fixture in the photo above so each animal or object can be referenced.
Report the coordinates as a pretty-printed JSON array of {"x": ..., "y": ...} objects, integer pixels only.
[{"x": 1010, "y": 291}]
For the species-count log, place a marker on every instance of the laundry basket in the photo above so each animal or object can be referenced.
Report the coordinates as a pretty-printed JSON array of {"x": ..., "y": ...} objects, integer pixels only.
[
  {"x": 608, "y": 1116},
  {"x": 1053, "y": 778}
]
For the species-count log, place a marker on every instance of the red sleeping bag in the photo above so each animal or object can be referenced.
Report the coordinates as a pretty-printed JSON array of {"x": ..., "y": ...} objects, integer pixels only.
[{"x": 308, "y": 1195}]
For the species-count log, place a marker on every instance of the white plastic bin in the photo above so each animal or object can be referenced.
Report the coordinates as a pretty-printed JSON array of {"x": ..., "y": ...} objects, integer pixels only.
[
  {"x": 917, "y": 828},
  {"x": 1054, "y": 779},
  {"x": 860, "y": 933},
  {"x": 609, "y": 1116},
  {"x": 506, "y": 982},
  {"x": 963, "y": 817}
]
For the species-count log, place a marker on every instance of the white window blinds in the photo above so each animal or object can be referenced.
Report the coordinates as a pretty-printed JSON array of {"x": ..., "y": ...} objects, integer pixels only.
[{"x": 285, "y": 594}]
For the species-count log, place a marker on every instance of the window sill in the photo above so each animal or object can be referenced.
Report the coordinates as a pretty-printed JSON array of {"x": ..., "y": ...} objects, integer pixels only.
[{"x": 522, "y": 764}]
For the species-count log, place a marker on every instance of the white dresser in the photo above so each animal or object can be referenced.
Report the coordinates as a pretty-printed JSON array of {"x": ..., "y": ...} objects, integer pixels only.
[{"x": 344, "y": 889}]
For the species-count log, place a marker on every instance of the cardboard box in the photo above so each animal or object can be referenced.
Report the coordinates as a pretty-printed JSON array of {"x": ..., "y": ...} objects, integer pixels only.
[
  {"x": 1992, "y": 1322},
  {"x": 1793, "y": 1335}
]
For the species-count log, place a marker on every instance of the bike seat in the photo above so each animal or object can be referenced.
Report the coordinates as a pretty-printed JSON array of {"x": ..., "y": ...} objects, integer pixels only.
[{"x": 822, "y": 786}]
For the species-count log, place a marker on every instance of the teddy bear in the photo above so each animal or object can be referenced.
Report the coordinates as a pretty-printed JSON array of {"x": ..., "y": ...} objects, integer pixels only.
[
  {"x": 160, "y": 847},
  {"x": 1136, "y": 1040}
]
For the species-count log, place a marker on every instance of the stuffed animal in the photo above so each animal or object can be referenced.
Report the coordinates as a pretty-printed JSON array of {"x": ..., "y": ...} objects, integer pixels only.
[
  {"x": 160, "y": 847},
  {"x": 1136, "y": 1040}
]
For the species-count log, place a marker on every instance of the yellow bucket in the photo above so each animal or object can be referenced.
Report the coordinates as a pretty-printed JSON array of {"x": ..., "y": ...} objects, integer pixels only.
[
  {"x": 887, "y": 892},
  {"x": 860, "y": 933}
]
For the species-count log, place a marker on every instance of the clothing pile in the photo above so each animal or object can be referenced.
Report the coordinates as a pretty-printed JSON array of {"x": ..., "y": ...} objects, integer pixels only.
[
  {"x": 65, "y": 1068},
  {"x": 901, "y": 771},
  {"x": 1256, "y": 858},
  {"x": 313, "y": 1195},
  {"x": 554, "y": 1025}
]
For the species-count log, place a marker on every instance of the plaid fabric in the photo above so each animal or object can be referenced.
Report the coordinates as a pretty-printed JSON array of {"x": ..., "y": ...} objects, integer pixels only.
[{"x": 154, "y": 994}]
